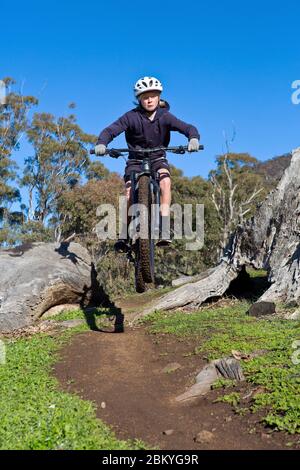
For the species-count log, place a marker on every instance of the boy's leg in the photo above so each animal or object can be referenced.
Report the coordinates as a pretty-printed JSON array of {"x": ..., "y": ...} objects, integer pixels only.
[{"x": 165, "y": 191}]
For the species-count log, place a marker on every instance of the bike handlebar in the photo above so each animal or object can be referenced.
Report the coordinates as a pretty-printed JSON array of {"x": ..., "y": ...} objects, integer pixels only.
[{"x": 181, "y": 149}]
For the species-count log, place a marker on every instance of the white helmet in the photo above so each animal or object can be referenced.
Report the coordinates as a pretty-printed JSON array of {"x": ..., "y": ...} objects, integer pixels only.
[{"x": 147, "y": 84}]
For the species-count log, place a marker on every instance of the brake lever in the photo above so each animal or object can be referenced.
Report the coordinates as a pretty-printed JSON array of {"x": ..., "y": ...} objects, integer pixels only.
[
  {"x": 180, "y": 150},
  {"x": 114, "y": 153}
]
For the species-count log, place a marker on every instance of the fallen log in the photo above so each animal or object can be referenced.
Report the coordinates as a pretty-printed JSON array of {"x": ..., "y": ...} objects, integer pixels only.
[{"x": 35, "y": 277}]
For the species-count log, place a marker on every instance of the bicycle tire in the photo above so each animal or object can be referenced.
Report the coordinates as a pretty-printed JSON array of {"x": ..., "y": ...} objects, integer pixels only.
[
  {"x": 146, "y": 245},
  {"x": 140, "y": 285}
]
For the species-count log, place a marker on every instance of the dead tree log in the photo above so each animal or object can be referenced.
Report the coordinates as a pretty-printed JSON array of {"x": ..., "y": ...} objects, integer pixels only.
[
  {"x": 37, "y": 276},
  {"x": 269, "y": 240}
]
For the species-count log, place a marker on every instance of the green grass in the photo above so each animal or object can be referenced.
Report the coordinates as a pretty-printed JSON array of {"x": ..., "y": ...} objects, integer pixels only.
[
  {"x": 99, "y": 317},
  {"x": 34, "y": 413},
  {"x": 221, "y": 330},
  {"x": 256, "y": 272},
  {"x": 231, "y": 398}
]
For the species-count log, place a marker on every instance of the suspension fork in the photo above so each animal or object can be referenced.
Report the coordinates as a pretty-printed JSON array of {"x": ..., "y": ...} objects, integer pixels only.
[
  {"x": 154, "y": 186},
  {"x": 133, "y": 201}
]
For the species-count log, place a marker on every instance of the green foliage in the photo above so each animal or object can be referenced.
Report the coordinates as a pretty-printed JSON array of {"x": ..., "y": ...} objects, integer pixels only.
[
  {"x": 13, "y": 123},
  {"x": 34, "y": 414},
  {"x": 78, "y": 207},
  {"x": 96, "y": 171},
  {"x": 254, "y": 273},
  {"x": 34, "y": 231},
  {"x": 235, "y": 189},
  {"x": 196, "y": 323},
  {"x": 232, "y": 399},
  {"x": 114, "y": 270},
  {"x": 59, "y": 158},
  {"x": 223, "y": 383}
]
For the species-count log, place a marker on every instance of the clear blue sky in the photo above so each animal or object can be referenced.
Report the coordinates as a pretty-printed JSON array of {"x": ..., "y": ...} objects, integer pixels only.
[{"x": 220, "y": 62}]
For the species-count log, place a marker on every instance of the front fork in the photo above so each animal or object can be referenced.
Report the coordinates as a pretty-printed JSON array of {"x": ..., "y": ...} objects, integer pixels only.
[{"x": 155, "y": 210}]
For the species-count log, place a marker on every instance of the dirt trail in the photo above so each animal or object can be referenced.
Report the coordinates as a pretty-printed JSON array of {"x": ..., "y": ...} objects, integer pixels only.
[{"x": 126, "y": 372}]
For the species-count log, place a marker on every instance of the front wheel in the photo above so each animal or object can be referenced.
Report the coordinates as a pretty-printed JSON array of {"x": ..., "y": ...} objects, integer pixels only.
[
  {"x": 145, "y": 244},
  {"x": 140, "y": 285}
]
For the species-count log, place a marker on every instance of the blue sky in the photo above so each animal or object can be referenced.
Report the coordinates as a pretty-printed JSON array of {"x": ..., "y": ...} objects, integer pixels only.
[{"x": 222, "y": 64}]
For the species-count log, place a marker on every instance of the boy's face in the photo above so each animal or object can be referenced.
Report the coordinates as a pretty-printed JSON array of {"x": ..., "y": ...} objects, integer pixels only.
[{"x": 149, "y": 100}]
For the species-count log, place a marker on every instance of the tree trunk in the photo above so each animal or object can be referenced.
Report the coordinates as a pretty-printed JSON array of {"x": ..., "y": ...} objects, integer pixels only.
[
  {"x": 269, "y": 240},
  {"x": 35, "y": 277}
]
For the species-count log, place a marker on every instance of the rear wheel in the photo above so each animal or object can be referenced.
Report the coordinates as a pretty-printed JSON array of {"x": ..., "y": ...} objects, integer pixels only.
[{"x": 145, "y": 242}]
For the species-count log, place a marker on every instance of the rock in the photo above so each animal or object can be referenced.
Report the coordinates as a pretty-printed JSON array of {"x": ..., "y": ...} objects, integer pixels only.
[
  {"x": 261, "y": 308},
  {"x": 228, "y": 419},
  {"x": 291, "y": 304},
  {"x": 168, "y": 432},
  {"x": 204, "y": 437},
  {"x": 293, "y": 316},
  {"x": 38, "y": 276},
  {"x": 103, "y": 405},
  {"x": 71, "y": 323},
  {"x": 265, "y": 436},
  {"x": 171, "y": 367},
  {"x": 228, "y": 368},
  {"x": 59, "y": 309},
  {"x": 208, "y": 375},
  {"x": 204, "y": 380},
  {"x": 193, "y": 392}
]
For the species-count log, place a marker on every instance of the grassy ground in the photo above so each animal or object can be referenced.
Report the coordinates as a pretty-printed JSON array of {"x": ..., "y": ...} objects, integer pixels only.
[
  {"x": 34, "y": 414},
  {"x": 273, "y": 368}
]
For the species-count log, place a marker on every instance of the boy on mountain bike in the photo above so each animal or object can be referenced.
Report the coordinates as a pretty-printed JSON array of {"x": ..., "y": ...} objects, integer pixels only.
[{"x": 149, "y": 126}]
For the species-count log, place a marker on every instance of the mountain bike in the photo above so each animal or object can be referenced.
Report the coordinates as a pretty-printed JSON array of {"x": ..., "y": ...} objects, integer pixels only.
[{"x": 144, "y": 207}]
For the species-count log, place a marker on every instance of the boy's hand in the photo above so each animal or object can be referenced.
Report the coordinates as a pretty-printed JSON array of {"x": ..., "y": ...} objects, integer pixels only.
[
  {"x": 100, "y": 149},
  {"x": 193, "y": 145}
]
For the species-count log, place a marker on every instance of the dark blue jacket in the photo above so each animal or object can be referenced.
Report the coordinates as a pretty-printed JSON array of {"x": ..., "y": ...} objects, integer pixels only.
[{"x": 141, "y": 132}]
